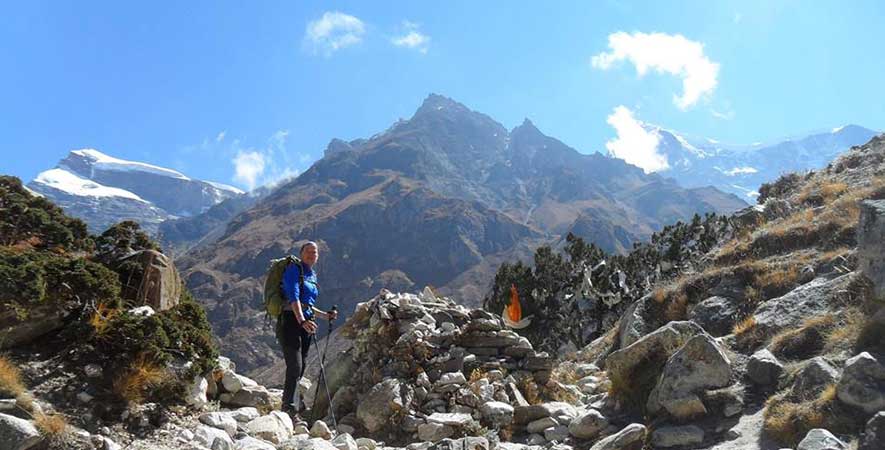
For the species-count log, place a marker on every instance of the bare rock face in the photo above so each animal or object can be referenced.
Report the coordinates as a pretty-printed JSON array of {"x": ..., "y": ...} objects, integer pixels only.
[
  {"x": 160, "y": 286},
  {"x": 863, "y": 383},
  {"x": 17, "y": 433},
  {"x": 820, "y": 439},
  {"x": 381, "y": 402},
  {"x": 871, "y": 244},
  {"x": 699, "y": 365}
]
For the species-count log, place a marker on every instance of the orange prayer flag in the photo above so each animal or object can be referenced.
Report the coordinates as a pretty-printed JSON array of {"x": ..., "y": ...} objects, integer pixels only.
[{"x": 514, "y": 309}]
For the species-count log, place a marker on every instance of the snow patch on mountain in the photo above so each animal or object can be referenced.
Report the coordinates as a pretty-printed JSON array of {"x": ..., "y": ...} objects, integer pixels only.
[
  {"x": 73, "y": 184},
  {"x": 102, "y": 161}
]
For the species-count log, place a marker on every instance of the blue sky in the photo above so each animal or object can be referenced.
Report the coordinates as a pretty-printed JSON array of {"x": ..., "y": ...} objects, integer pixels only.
[{"x": 204, "y": 86}]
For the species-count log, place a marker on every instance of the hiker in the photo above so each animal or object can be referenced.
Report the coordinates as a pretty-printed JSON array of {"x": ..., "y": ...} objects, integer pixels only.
[{"x": 297, "y": 325}]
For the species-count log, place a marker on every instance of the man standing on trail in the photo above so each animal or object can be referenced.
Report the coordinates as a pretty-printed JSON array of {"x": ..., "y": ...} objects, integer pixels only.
[{"x": 298, "y": 326}]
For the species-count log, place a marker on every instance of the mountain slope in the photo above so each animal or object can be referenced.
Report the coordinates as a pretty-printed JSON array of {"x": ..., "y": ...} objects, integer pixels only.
[
  {"x": 433, "y": 200},
  {"x": 103, "y": 190}
]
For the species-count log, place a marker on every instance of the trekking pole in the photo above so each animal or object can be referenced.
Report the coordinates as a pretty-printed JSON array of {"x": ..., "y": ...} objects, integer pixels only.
[{"x": 322, "y": 359}]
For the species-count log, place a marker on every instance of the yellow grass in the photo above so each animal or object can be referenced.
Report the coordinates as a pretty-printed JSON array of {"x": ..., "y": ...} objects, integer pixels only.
[
  {"x": 788, "y": 422},
  {"x": 805, "y": 341},
  {"x": 744, "y": 326},
  {"x": 53, "y": 427},
  {"x": 101, "y": 318},
  {"x": 142, "y": 375},
  {"x": 10, "y": 378}
]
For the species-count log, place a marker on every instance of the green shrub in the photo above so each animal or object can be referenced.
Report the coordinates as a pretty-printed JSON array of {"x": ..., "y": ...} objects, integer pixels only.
[{"x": 25, "y": 217}]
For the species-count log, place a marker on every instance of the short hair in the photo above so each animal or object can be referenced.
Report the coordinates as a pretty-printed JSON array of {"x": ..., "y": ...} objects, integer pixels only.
[{"x": 307, "y": 244}]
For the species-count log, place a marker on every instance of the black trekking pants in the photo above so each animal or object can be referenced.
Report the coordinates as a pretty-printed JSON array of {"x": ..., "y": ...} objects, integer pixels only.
[{"x": 295, "y": 342}]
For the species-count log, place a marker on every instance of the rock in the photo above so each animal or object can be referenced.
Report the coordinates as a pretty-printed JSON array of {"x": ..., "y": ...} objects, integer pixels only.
[
  {"x": 677, "y": 436},
  {"x": 863, "y": 383},
  {"x": 558, "y": 433},
  {"x": 196, "y": 393},
  {"x": 871, "y": 244},
  {"x": 715, "y": 314},
  {"x": 366, "y": 443},
  {"x": 728, "y": 400},
  {"x": 451, "y": 419},
  {"x": 160, "y": 286},
  {"x": 497, "y": 413},
  {"x": 810, "y": 299},
  {"x": 17, "y": 434},
  {"x": 7, "y": 404},
  {"x": 250, "y": 443},
  {"x": 813, "y": 378},
  {"x": 629, "y": 438},
  {"x": 245, "y": 414},
  {"x": 344, "y": 441},
  {"x": 432, "y": 431},
  {"x": 143, "y": 311},
  {"x": 224, "y": 363},
  {"x": 764, "y": 368},
  {"x": 207, "y": 436},
  {"x": 637, "y": 321},
  {"x": 529, "y": 413},
  {"x": 85, "y": 397},
  {"x": 93, "y": 371},
  {"x": 104, "y": 443},
  {"x": 874, "y": 435},
  {"x": 222, "y": 421},
  {"x": 275, "y": 427},
  {"x": 655, "y": 346},
  {"x": 536, "y": 439},
  {"x": 538, "y": 426},
  {"x": 381, "y": 402},
  {"x": 233, "y": 382},
  {"x": 699, "y": 365},
  {"x": 588, "y": 425},
  {"x": 321, "y": 430},
  {"x": 820, "y": 439},
  {"x": 304, "y": 443},
  {"x": 247, "y": 396},
  {"x": 451, "y": 378}
]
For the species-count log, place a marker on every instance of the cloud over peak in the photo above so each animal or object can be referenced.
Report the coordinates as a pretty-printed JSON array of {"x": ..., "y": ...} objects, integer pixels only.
[
  {"x": 333, "y": 31},
  {"x": 634, "y": 143},
  {"x": 664, "y": 53}
]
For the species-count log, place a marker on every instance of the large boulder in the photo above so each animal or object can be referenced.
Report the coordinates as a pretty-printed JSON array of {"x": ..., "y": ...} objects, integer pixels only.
[
  {"x": 381, "y": 402},
  {"x": 863, "y": 383},
  {"x": 214, "y": 438},
  {"x": 160, "y": 285},
  {"x": 813, "y": 378},
  {"x": 639, "y": 319},
  {"x": 764, "y": 368},
  {"x": 715, "y": 314},
  {"x": 275, "y": 427},
  {"x": 588, "y": 425},
  {"x": 655, "y": 346},
  {"x": 811, "y": 299},
  {"x": 220, "y": 420},
  {"x": 874, "y": 435},
  {"x": 871, "y": 244},
  {"x": 17, "y": 434},
  {"x": 820, "y": 439},
  {"x": 247, "y": 396},
  {"x": 677, "y": 436},
  {"x": 497, "y": 413},
  {"x": 699, "y": 365},
  {"x": 630, "y": 437}
]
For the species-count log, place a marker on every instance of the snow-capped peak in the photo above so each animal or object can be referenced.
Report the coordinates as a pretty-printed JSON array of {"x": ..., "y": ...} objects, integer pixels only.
[
  {"x": 226, "y": 187},
  {"x": 837, "y": 129},
  {"x": 73, "y": 184},
  {"x": 102, "y": 161}
]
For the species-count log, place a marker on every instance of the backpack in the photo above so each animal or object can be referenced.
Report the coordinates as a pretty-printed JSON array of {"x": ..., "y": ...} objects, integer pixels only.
[{"x": 274, "y": 300}]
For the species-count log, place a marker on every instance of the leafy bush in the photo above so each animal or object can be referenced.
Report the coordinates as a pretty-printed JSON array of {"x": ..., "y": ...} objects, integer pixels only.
[{"x": 27, "y": 218}]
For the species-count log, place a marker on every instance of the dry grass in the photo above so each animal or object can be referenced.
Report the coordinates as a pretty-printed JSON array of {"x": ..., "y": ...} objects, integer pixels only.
[
  {"x": 677, "y": 307},
  {"x": 805, "y": 341},
  {"x": 476, "y": 375},
  {"x": 557, "y": 392},
  {"x": 10, "y": 378},
  {"x": 788, "y": 421},
  {"x": 53, "y": 427},
  {"x": 660, "y": 295},
  {"x": 565, "y": 373},
  {"x": 845, "y": 334},
  {"x": 101, "y": 318},
  {"x": 530, "y": 391},
  {"x": 142, "y": 375},
  {"x": 745, "y": 326}
]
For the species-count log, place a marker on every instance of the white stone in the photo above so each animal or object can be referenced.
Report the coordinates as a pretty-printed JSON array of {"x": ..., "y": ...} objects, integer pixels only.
[
  {"x": 820, "y": 439},
  {"x": 245, "y": 414},
  {"x": 17, "y": 433},
  {"x": 498, "y": 413},
  {"x": 196, "y": 393},
  {"x": 220, "y": 420},
  {"x": 250, "y": 443},
  {"x": 451, "y": 378},
  {"x": 92, "y": 370},
  {"x": 588, "y": 425},
  {"x": 451, "y": 419},
  {"x": 207, "y": 436},
  {"x": 85, "y": 397},
  {"x": 344, "y": 441},
  {"x": 233, "y": 382},
  {"x": 144, "y": 311},
  {"x": 272, "y": 427},
  {"x": 320, "y": 430}
]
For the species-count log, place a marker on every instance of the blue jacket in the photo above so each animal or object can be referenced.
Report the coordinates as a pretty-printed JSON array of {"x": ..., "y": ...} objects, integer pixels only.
[{"x": 292, "y": 288}]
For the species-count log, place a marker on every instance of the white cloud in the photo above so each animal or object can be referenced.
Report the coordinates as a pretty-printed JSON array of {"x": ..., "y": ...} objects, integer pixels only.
[
  {"x": 664, "y": 53},
  {"x": 220, "y": 136},
  {"x": 740, "y": 171},
  {"x": 634, "y": 144},
  {"x": 248, "y": 166},
  {"x": 727, "y": 115},
  {"x": 412, "y": 38},
  {"x": 334, "y": 31}
]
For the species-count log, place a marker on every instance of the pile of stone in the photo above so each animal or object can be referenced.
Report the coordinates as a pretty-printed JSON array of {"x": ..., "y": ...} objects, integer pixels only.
[{"x": 231, "y": 389}]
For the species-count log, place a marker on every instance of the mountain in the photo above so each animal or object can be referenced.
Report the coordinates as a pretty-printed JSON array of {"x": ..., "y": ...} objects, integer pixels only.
[
  {"x": 741, "y": 169},
  {"x": 439, "y": 199},
  {"x": 103, "y": 190}
]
